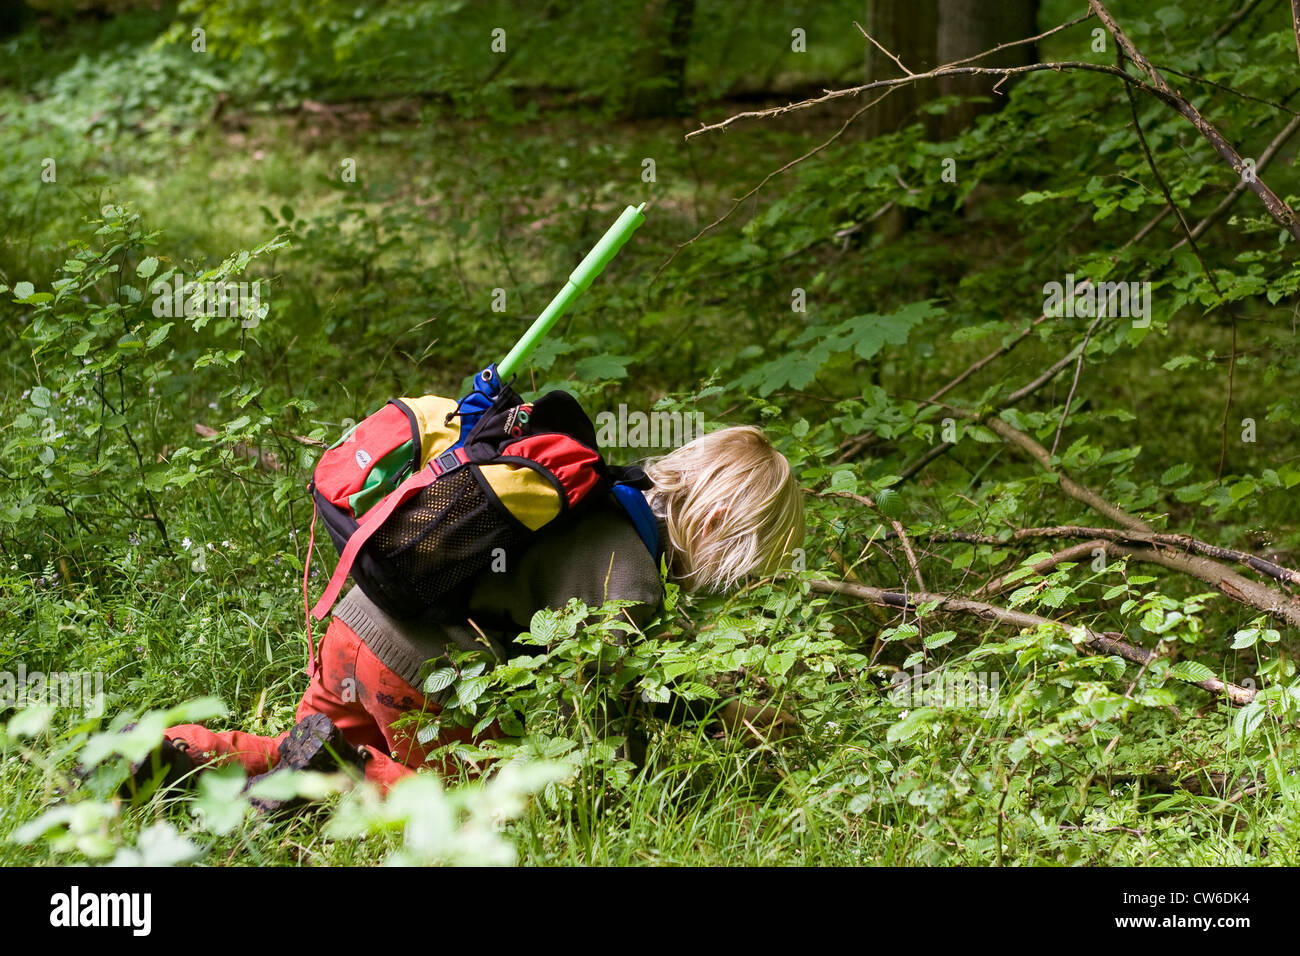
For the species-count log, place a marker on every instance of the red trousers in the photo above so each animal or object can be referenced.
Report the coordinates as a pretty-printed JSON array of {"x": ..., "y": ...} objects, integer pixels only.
[{"x": 362, "y": 697}]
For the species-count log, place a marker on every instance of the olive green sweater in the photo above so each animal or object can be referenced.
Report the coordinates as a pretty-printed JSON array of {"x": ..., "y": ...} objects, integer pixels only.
[{"x": 596, "y": 557}]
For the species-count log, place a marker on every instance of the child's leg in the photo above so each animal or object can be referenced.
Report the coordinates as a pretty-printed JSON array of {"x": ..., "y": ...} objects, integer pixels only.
[
  {"x": 333, "y": 691},
  {"x": 338, "y": 691},
  {"x": 384, "y": 697},
  {"x": 257, "y": 754},
  {"x": 387, "y": 697}
]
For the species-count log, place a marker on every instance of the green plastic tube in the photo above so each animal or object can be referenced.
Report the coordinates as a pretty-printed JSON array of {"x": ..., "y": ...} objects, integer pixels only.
[{"x": 579, "y": 279}]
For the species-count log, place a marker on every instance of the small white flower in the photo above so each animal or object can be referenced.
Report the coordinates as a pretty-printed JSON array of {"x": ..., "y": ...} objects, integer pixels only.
[{"x": 186, "y": 544}]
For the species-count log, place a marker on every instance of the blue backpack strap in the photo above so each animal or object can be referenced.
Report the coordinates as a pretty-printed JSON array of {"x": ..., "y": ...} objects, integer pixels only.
[{"x": 643, "y": 518}]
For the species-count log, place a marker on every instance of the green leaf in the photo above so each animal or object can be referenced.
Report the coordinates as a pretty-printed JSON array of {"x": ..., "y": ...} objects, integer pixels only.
[
  {"x": 889, "y": 502},
  {"x": 1191, "y": 671},
  {"x": 1249, "y": 718},
  {"x": 220, "y": 804},
  {"x": 468, "y": 691},
  {"x": 779, "y": 663},
  {"x": 147, "y": 267},
  {"x": 159, "y": 334},
  {"x": 160, "y": 844},
  {"x": 30, "y": 722},
  {"x": 439, "y": 680},
  {"x": 938, "y": 639},
  {"x": 844, "y": 480},
  {"x": 23, "y": 290},
  {"x": 602, "y": 367},
  {"x": 911, "y": 725}
]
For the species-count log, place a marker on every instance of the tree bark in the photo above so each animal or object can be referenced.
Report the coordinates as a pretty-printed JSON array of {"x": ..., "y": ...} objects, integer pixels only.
[
  {"x": 968, "y": 27},
  {"x": 661, "y": 65},
  {"x": 907, "y": 29}
]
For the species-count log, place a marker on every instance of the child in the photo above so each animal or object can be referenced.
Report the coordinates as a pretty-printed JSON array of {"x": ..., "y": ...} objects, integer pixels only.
[{"x": 726, "y": 505}]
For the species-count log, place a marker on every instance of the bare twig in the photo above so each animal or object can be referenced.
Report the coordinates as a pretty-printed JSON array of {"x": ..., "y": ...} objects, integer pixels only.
[
  {"x": 898, "y": 530},
  {"x": 765, "y": 180},
  {"x": 1236, "y": 192},
  {"x": 1057, "y": 66},
  {"x": 1078, "y": 370},
  {"x": 876, "y": 43},
  {"x": 1283, "y": 214},
  {"x": 956, "y": 67},
  {"x": 1295, "y": 23}
]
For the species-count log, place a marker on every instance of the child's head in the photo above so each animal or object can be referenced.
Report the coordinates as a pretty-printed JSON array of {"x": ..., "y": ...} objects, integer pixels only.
[{"x": 731, "y": 505}]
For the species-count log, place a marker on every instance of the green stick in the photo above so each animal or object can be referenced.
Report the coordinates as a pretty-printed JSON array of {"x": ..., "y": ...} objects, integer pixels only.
[{"x": 579, "y": 280}]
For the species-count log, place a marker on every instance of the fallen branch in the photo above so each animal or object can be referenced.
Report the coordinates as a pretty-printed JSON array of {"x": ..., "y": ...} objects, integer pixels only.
[
  {"x": 1180, "y": 542},
  {"x": 1225, "y": 580},
  {"x": 1103, "y": 643},
  {"x": 1213, "y": 573},
  {"x": 1205, "y": 783},
  {"x": 1075, "y": 552},
  {"x": 1218, "y": 576}
]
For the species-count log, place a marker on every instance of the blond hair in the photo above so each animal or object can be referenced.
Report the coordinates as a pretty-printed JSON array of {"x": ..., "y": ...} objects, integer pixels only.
[{"x": 731, "y": 505}]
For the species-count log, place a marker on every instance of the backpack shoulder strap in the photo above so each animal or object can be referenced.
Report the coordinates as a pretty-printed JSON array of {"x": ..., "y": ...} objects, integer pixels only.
[{"x": 643, "y": 519}]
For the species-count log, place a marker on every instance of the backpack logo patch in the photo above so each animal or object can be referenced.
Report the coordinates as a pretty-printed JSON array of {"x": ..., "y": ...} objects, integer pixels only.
[{"x": 363, "y": 458}]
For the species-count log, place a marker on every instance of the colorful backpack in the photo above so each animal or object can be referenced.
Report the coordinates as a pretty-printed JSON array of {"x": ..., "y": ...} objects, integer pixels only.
[{"x": 418, "y": 504}]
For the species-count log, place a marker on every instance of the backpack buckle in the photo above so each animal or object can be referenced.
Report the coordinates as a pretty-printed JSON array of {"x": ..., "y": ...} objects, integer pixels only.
[{"x": 446, "y": 462}]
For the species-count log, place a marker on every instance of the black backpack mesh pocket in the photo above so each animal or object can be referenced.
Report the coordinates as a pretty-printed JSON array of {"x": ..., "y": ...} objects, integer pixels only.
[{"x": 446, "y": 534}]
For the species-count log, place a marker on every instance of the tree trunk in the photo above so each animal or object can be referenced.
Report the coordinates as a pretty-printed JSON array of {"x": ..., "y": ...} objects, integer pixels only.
[
  {"x": 661, "y": 63},
  {"x": 967, "y": 27},
  {"x": 907, "y": 29}
]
